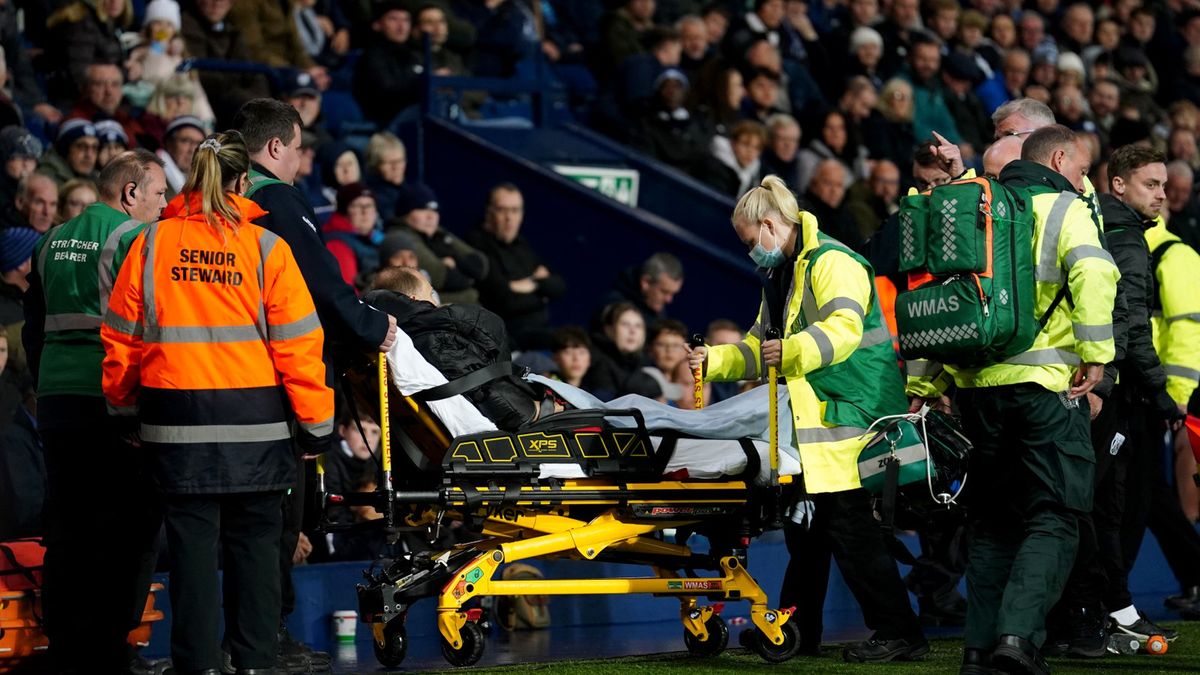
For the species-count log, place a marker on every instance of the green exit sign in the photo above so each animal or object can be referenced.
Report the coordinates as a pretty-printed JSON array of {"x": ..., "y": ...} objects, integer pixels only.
[{"x": 618, "y": 184}]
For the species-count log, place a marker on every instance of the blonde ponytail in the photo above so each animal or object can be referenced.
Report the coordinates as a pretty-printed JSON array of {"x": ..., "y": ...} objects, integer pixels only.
[
  {"x": 219, "y": 161},
  {"x": 771, "y": 196}
]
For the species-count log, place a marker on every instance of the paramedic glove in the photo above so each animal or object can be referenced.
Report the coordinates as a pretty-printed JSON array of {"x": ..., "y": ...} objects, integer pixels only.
[
  {"x": 1167, "y": 409},
  {"x": 390, "y": 338}
]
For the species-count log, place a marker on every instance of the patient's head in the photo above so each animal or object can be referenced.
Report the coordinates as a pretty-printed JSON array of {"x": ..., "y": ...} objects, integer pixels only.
[{"x": 406, "y": 281}]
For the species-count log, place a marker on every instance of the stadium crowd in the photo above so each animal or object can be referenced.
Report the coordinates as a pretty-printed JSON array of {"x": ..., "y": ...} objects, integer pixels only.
[{"x": 851, "y": 103}]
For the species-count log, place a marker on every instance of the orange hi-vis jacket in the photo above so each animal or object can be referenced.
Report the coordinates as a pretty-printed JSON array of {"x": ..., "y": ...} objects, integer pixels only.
[{"x": 212, "y": 339}]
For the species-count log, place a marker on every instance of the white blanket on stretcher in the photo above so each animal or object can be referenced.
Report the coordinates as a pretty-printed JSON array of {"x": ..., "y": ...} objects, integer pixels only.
[{"x": 716, "y": 453}]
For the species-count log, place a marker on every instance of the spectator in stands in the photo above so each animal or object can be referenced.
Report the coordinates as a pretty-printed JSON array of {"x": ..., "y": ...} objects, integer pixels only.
[
  {"x": 302, "y": 93},
  {"x": 351, "y": 234},
  {"x": 156, "y": 62},
  {"x": 74, "y": 154},
  {"x": 75, "y": 196},
  {"x": 903, "y": 22},
  {"x": 781, "y": 156},
  {"x": 1182, "y": 205},
  {"x": 764, "y": 90},
  {"x": 893, "y": 138},
  {"x": 272, "y": 38},
  {"x": 719, "y": 95},
  {"x": 621, "y": 32},
  {"x": 649, "y": 287},
  {"x": 19, "y": 152},
  {"x": 209, "y": 35},
  {"x": 826, "y": 192},
  {"x": 571, "y": 350},
  {"x": 735, "y": 164},
  {"x": 174, "y": 97},
  {"x": 1003, "y": 31},
  {"x": 766, "y": 21},
  {"x": 356, "y": 456},
  {"x": 929, "y": 97},
  {"x": 387, "y": 161},
  {"x": 617, "y": 360},
  {"x": 505, "y": 35},
  {"x": 716, "y": 19},
  {"x": 519, "y": 285},
  {"x": 971, "y": 40},
  {"x": 455, "y": 268},
  {"x": 339, "y": 166},
  {"x": 183, "y": 135},
  {"x": 431, "y": 20},
  {"x": 102, "y": 99},
  {"x": 866, "y": 54},
  {"x": 37, "y": 202},
  {"x": 1015, "y": 68},
  {"x": 399, "y": 249},
  {"x": 942, "y": 19},
  {"x": 25, "y": 90},
  {"x": 1104, "y": 99},
  {"x": 722, "y": 332},
  {"x": 869, "y": 202},
  {"x": 113, "y": 141},
  {"x": 666, "y": 130},
  {"x": 10, "y": 114},
  {"x": 324, "y": 31},
  {"x": 1187, "y": 85},
  {"x": 696, "y": 50},
  {"x": 841, "y": 39},
  {"x": 638, "y": 75},
  {"x": 308, "y": 180},
  {"x": 84, "y": 33},
  {"x": 387, "y": 76},
  {"x": 666, "y": 346},
  {"x": 960, "y": 76},
  {"x": 833, "y": 143}
]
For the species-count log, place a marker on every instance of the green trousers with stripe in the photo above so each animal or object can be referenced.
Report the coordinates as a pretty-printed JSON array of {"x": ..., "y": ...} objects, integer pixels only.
[{"x": 1030, "y": 477}]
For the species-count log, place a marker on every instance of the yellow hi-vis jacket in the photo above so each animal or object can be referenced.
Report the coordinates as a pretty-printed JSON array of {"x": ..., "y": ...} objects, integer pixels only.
[
  {"x": 838, "y": 359},
  {"x": 1066, "y": 249},
  {"x": 1176, "y": 318}
]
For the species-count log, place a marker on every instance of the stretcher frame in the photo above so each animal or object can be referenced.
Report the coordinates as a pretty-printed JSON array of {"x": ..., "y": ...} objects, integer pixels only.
[{"x": 582, "y": 519}]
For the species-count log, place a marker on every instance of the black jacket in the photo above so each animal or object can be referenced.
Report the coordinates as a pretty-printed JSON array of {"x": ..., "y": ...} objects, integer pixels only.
[
  {"x": 458, "y": 340},
  {"x": 627, "y": 289},
  {"x": 526, "y": 315},
  {"x": 22, "y": 476},
  {"x": 348, "y": 321},
  {"x": 387, "y": 79},
  {"x": 1124, "y": 231},
  {"x": 614, "y": 373}
]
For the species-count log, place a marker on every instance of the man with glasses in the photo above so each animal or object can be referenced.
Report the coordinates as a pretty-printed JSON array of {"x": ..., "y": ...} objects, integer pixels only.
[
  {"x": 75, "y": 152},
  {"x": 518, "y": 286}
]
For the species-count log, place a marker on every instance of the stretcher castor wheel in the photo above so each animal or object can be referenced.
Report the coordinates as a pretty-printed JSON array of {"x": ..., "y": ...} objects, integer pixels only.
[
  {"x": 394, "y": 647},
  {"x": 773, "y": 653},
  {"x": 1156, "y": 644},
  {"x": 470, "y": 651},
  {"x": 718, "y": 638}
]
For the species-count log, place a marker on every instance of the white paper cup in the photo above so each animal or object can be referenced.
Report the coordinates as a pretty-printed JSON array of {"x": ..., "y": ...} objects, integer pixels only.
[{"x": 345, "y": 623}]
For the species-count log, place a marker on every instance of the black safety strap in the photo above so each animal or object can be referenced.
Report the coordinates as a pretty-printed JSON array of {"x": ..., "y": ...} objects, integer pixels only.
[
  {"x": 472, "y": 380},
  {"x": 1058, "y": 298},
  {"x": 1155, "y": 258},
  {"x": 887, "y": 512},
  {"x": 753, "y": 463},
  {"x": 351, "y": 403}
]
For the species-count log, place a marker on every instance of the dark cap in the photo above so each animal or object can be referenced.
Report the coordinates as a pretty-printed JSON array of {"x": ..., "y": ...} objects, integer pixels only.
[
  {"x": 382, "y": 8},
  {"x": 415, "y": 196},
  {"x": 18, "y": 142},
  {"x": 348, "y": 193},
  {"x": 182, "y": 122},
  {"x": 395, "y": 242},
  {"x": 1128, "y": 57},
  {"x": 962, "y": 67},
  {"x": 300, "y": 83}
]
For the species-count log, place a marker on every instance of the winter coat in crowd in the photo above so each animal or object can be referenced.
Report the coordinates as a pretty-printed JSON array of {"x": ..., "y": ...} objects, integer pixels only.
[
  {"x": 226, "y": 91},
  {"x": 614, "y": 373},
  {"x": 453, "y": 284},
  {"x": 526, "y": 315},
  {"x": 270, "y": 32},
  {"x": 387, "y": 79},
  {"x": 81, "y": 37}
]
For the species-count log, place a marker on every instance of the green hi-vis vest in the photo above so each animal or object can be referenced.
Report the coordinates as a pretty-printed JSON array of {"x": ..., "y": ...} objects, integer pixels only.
[
  {"x": 259, "y": 181},
  {"x": 78, "y": 263},
  {"x": 869, "y": 384}
]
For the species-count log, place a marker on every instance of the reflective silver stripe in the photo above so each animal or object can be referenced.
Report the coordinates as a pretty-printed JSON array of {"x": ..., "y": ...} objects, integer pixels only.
[
  {"x": 121, "y": 324},
  {"x": 922, "y": 368},
  {"x": 1182, "y": 371},
  {"x": 1047, "y": 268},
  {"x": 287, "y": 331},
  {"x": 1181, "y": 317},
  {"x": 107, "y": 252},
  {"x": 751, "y": 370},
  {"x": 1086, "y": 251},
  {"x": 1044, "y": 357},
  {"x": 266, "y": 243},
  {"x": 828, "y": 434},
  {"x": 121, "y": 410},
  {"x": 205, "y": 334},
  {"x": 78, "y": 321},
  {"x": 841, "y": 303},
  {"x": 824, "y": 344},
  {"x": 216, "y": 433},
  {"x": 150, "y": 318},
  {"x": 318, "y": 428},
  {"x": 1092, "y": 333},
  {"x": 875, "y": 336}
]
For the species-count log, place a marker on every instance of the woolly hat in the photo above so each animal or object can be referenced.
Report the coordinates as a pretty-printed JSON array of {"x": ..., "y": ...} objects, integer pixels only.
[
  {"x": 865, "y": 35},
  {"x": 71, "y": 131},
  {"x": 111, "y": 131},
  {"x": 395, "y": 242},
  {"x": 671, "y": 74},
  {"x": 182, "y": 122},
  {"x": 348, "y": 193},
  {"x": 163, "y": 10},
  {"x": 16, "y": 246},
  {"x": 18, "y": 142},
  {"x": 415, "y": 196},
  {"x": 1071, "y": 61}
]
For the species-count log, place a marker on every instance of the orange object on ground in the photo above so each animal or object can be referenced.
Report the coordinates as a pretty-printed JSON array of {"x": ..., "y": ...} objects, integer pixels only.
[{"x": 1157, "y": 645}]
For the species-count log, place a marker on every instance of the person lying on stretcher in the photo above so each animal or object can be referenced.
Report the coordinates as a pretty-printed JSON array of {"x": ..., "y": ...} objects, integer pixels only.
[{"x": 458, "y": 340}]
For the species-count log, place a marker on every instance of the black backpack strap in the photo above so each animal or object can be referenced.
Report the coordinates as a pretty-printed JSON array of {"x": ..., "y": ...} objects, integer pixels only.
[
  {"x": 1058, "y": 298},
  {"x": 1155, "y": 258},
  {"x": 473, "y": 379}
]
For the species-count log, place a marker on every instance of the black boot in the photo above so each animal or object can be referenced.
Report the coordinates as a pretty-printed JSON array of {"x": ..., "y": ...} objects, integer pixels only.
[
  {"x": 976, "y": 662},
  {"x": 1186, "y": 603},
  {"x": 1018, "y": 656},
  {"x": 297, "y": 657},
  {"x": 878, "y": 650}
]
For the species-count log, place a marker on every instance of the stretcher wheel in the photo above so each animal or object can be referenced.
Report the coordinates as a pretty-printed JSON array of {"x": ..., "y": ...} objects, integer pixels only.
[
  {"x": 718, "y": 638},
  {"x": 470, "y": 651},
  {"x": 394, "y": 648},
  {"x": 773, "y": 653}
]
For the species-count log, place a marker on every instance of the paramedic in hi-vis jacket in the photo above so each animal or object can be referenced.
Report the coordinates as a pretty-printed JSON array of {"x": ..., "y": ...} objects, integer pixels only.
[
  {"x": 211, "y": 338},
  {"x": 1028, "y": 418},
  {"x": 837, "y": 359}
]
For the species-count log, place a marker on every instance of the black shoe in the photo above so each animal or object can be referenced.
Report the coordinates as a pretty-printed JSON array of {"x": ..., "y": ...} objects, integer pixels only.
[
  {"x": 1143, "y": 628},
  {"x": 1018, "y": 656},
  {"x": 875, "y": 650},
  {"x": 1186, "y": 603},
  {"x": 976, "y": 662},
  {"x": 297, "y": 657},
  {"x": 141, "y": 666},
  {"x": 1085, "y": 635}
]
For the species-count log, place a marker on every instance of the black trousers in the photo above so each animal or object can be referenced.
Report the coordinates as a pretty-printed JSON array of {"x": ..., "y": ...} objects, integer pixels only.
[
  {"x": 293, "y": 520},
  {"x": 102, "y": 518},
  {"x": 845, "y": 529},
  {"x": 247, "y": 526}
]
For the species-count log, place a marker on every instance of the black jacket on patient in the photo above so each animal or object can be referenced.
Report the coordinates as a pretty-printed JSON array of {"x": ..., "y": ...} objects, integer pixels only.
[{"x": 458, "y": 340}]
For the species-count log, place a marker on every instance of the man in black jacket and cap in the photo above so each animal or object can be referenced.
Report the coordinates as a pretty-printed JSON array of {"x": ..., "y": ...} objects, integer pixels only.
[
  {"x": 387, "y": 79},
  {"x": 271, "y": 130}
]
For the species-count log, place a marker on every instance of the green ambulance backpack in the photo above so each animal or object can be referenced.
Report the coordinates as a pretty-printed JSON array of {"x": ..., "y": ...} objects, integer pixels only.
[{"x": 967, "y": 248}]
